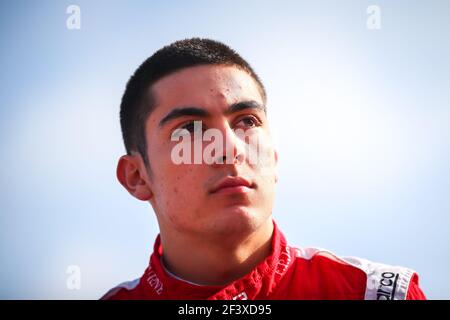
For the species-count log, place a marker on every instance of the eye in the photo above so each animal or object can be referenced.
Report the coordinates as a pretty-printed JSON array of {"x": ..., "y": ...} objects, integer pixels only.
[
  {"x": 248, "y": 122},
  {"x": 188, "y": 128}
]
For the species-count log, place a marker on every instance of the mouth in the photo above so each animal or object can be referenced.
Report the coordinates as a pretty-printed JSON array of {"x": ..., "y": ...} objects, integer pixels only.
[{"x": 233, "y": 185}]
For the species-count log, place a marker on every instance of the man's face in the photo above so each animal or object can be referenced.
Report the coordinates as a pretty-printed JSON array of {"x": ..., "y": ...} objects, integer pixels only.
[{"x": 185, "y": 196}]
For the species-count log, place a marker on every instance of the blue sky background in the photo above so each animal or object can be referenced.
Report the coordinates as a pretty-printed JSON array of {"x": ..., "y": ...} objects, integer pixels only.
[{"x": 361, "y": 119}]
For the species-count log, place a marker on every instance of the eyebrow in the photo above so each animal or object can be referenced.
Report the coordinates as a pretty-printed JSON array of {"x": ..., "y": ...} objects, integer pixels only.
[{"x": 200, "y": 112}]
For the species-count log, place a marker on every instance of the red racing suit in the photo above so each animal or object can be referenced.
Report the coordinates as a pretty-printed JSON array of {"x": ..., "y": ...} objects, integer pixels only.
[{"x": 287, "y": 273}]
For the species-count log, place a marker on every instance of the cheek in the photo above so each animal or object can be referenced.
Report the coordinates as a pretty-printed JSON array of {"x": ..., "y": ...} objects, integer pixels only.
[
  {"x": 179, "y": 190},
  {"x": 262, "y": 156},
  {"x": 182, "y": 183}
]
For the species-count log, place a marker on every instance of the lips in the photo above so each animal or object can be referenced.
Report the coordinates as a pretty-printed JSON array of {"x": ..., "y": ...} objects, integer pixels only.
[{"x": 233, "y": 185}]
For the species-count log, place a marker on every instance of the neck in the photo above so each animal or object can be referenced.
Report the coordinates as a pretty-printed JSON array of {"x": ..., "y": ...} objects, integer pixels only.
[{"x": 215, "y": 263}]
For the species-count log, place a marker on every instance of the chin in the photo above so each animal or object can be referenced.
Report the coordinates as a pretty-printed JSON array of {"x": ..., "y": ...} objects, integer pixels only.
[{"x": 238, "y": 220}]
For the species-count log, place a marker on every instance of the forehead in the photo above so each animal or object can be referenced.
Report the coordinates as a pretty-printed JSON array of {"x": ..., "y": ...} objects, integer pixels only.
[{"x": 205, "y": 86}]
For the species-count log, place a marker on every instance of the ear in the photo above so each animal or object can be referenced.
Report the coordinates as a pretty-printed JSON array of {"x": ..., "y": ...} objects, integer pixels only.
[{"x": 132, "y": 175}]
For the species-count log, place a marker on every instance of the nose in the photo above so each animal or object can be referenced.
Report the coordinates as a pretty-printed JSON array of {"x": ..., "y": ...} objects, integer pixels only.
[{"x": 233, "y": 148}]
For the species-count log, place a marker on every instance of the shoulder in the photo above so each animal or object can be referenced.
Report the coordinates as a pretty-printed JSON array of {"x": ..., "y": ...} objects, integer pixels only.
[
  {"x": 125, "y": 290},
  {"x": 357, "y": 276}
]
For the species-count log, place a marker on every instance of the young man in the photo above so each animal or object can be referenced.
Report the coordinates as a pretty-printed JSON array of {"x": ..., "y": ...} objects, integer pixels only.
[{"x": 214, "y": 204}]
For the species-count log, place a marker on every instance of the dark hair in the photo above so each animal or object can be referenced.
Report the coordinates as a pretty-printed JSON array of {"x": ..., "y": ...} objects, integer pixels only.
[{"x": 137, "y": 101}]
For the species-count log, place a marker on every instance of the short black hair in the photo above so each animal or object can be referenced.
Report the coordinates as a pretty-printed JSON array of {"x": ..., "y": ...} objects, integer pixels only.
[{"x": 137, "y": 101}]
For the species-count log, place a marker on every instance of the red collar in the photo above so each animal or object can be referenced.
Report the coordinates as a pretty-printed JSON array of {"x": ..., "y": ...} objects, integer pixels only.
[{"x": 257, "y": 284}]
